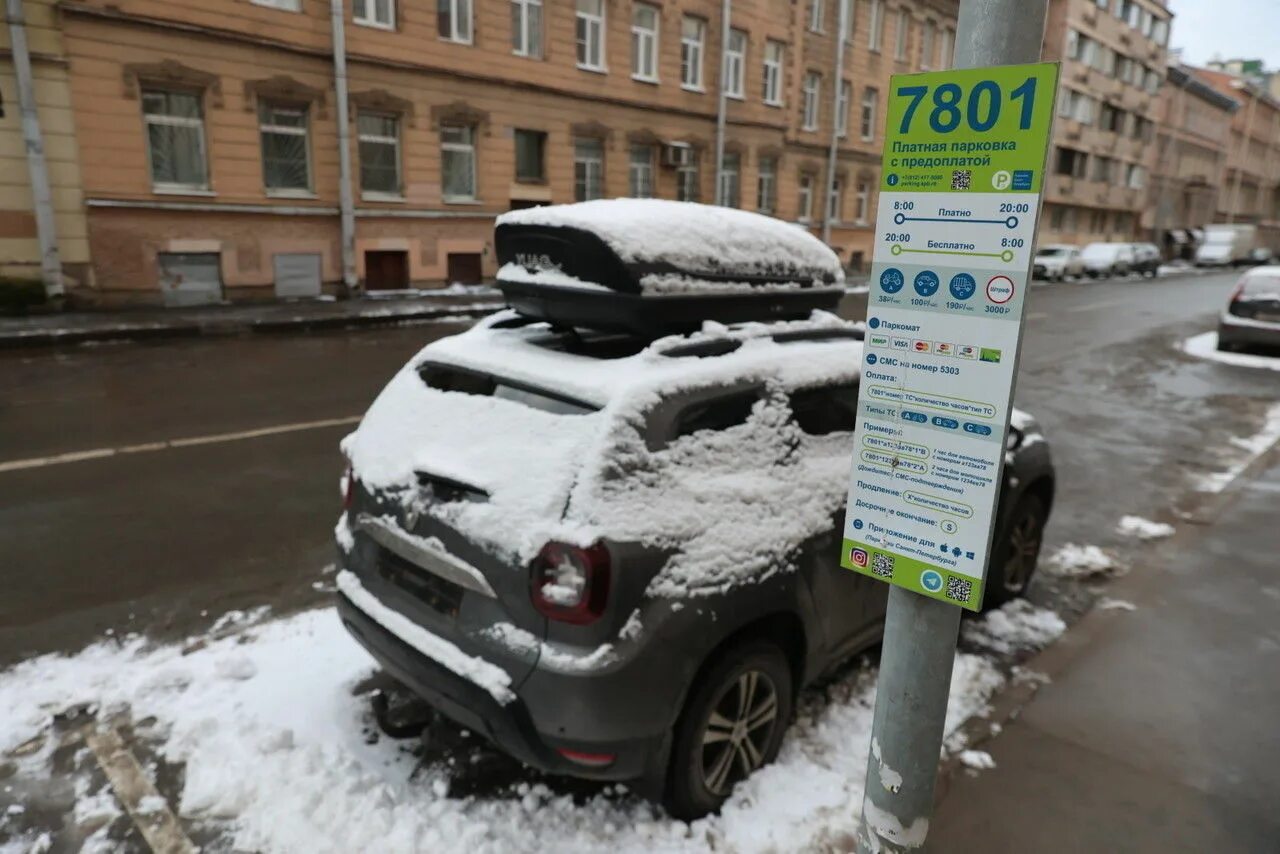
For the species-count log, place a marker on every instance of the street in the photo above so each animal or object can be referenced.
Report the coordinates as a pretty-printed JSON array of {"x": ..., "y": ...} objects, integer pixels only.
[{"x": 157, "y": 488}]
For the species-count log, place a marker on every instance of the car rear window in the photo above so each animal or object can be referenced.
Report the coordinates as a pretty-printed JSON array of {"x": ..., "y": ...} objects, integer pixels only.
[
  {"x": 450, "y": 378},
  {"x": 1261, "y": 287},
  {"x": 825, "y": 410},
  {"x": 719, "y": 413}
]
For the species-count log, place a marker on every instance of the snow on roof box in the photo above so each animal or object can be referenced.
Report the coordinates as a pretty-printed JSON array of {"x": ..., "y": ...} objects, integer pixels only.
[{"x": 656, "y": 267}]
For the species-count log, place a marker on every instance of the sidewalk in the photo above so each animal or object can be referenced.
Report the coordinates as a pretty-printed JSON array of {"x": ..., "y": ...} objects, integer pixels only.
[
  {"x": 143, "y": 323},
  {"x": 1160, "y": 730}
]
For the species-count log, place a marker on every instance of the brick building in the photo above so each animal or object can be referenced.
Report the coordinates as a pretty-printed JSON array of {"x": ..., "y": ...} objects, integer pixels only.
[
  {"x": 209, "y": 139},
  {"x": 1114, "y": 54}
]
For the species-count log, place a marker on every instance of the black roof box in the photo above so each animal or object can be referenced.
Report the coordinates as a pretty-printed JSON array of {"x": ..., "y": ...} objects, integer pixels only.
[{"x": 652, "y": 267}]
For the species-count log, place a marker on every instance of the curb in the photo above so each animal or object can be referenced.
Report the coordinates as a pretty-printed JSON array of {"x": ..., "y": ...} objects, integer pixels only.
[{"x": 165, "y": 331}]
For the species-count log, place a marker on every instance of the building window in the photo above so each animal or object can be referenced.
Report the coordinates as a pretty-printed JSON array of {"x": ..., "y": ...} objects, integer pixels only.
[
  {"x": 175, "y": 140},
  {"x": 835, "y": 201},
  {"x": 767, "y": 185},
  {"x": 850, "y": 8},
  {"x": 1102, "y": 168},
  {"x": 693, "y": 35},
  {"x": 644, "y": 43},
  {"x": 591, "y": 34},
  {"x": 804, "y": 200},
  {"x": 926, "y": 43},
  {"x": 641, "y": 172},
  {"x": 861, "y": 202},
  {"x": 948, "y": 45},
  {"x": 526, "y": 28},
  {"x": 773, "y": 53},
  {"x": 286, "y": 5},
  {"x": 870, "y": 101},
  {"x": 812, "y": 89},
  {"x": 588, "y": 169},
  {"x": 842, "y": 108},
  {"x": 900, "y": 34},
  {"x": 735, "y": 61},
  {"x": 1071, "y": 163},
  {"x": 1136, "y": 178},
  {"x": 875, "y": 28},
  {"x": 816, "y": 14},
  {"x": 458, "y": 162},
  {"x": 1055, "y": 217},
  {"x": 454, "y": 19},
  {"x": 531, "y": 148},
  {"x": 687, "y": 179},
  {"x": 730, "y": 192},
  {"x": 286, "y": 156},
  {"x": 374, "y": 13},
  {"x": 379, "y": 139}
]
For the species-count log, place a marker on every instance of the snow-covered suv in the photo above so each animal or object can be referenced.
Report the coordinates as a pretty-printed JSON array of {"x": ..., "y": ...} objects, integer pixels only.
[{"x": 618, "y": 558}]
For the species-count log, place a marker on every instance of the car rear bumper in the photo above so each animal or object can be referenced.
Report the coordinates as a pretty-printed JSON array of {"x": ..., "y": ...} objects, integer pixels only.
[
  {"x": 1244, "y": 331},
  {"x": 508, "y": 725}
]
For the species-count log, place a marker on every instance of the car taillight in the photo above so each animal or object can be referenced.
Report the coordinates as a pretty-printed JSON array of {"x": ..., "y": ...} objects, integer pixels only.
[
  {"x": 348, "y": 488},
  {"x": 1235, "y": 294},
  {"x": 570, "y": 583}
]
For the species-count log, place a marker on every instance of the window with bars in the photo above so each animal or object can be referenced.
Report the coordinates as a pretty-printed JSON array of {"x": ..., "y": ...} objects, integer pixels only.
[
  {"x": 458, "y": 163},
  {"x": 693, "y": 38},
  {"x": 531, "y": 148},
  {"x": 735, "y": 62},
  {"x": 812, "y": 91},
  {"x": 374, "y": 13},
  {"x": 588, "y": 169},
  {"x": 640, "y": 172},
  {"x": 644, "y": 42},
  {"x": 378, "y": 135},
  {"x": 767, "y": 185},
  {"x": 286, "y": 155},
  {"x": 773, "y": 57},
  {"x": 454, "y": 20},
  {"x": 526, "y": 28},
  {"x": 729, "y": 193},
  {"x": 175, "y": 140},
  {"x": 590, "y": 34}
]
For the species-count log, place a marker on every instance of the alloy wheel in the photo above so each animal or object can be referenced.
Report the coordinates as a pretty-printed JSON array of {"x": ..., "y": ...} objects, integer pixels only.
[
  {"x": 736, "y": 734},
  {"x": 1024, "y": 548}
]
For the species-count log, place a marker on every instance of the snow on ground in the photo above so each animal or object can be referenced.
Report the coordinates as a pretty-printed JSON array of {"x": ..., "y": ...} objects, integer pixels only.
[
  {"x": 978, "y": 760},
  {"x": 1016, "y": 626},
  {"x": 1143, "y": 529},
  {"x": 1252, "y": 447},
  {"x": 1078, "y": 561},
  {"x": 271, "y": 734},
  {"x": 1205, "y": 346},
  {"x": 1106, "y": 603}
]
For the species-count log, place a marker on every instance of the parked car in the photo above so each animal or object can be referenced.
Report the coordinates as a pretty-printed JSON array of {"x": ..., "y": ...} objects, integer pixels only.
[
  {"x": 1107, "y": 259},
  {"x": 619, "y": 559},
  {"x": 1252, "y": 316},
  {"x": 1227, "y": 244},
  {"x": 1057, "y": 261},
  {"x": 1261, "y": 256},
  {"x": 1146, "y": 259}
]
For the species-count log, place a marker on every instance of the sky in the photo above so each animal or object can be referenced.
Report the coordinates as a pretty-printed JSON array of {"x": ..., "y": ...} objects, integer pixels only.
[{"x": 1229, "y": 29}]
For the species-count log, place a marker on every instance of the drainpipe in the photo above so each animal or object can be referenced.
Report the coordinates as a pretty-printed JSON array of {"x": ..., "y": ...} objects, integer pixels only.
[
  {"x": 842, "y": 29},
  {"x": 346, "y": 202},
  {"x": 42, "y": 198},
  {"x": 1243, "y": 152},
  {"x": 725, "y": 13}
]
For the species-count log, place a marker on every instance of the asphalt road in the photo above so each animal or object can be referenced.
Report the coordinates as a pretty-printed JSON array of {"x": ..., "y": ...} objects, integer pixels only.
[{"x": 139, "y": 535}]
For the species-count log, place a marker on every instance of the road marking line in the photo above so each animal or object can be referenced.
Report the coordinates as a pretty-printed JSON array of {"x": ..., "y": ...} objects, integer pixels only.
[
  {"x": 185, "y": 442},
  {"x": 154, "y": 820}
]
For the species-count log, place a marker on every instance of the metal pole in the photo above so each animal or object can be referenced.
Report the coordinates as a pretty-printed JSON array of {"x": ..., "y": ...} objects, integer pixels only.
[
  {"x": 725, "y": 13},
  {"x": 842, "y": 28},
  {"x": 920, "y": 633},
  {"x": 346, "y": 202},
  {"x": 41, "y": 196},
  {"x": 1242, "y": 152}
]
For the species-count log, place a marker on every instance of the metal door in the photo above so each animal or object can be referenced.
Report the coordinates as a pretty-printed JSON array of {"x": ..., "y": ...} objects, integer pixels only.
[
  {"x": 297, "y": 276},
  {"x": 190, "y": 278}
]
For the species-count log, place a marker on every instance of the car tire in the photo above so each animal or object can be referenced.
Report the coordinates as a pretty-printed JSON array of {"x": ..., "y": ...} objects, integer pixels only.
[
  {"x": 1018, "y": 553},
  {"x": 715, "y": 744},
  {"x": 1226, "y": 346}
]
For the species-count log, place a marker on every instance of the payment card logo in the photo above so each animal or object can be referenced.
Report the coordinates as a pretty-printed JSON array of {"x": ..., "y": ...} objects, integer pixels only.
[
  {"x": 966, "y": 351},
  {"x": 989, "y": 354},
  {"x": 859, "y": 557},
  {"x": 921, "y": 346}
]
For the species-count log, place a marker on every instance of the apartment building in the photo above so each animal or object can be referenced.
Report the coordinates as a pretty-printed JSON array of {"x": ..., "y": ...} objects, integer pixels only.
[
  {"x": 1250, "y": 191},
  {"x": 1192, "y": 122},
  {"x": 1114, "y": 57},
  {"x": 20, "y": 253},
  {"x": 209, "y": 132}
]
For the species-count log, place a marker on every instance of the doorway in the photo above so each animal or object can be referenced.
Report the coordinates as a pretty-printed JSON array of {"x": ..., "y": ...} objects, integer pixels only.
[
  {"x": 464, "y": 268},
  {"x": 386, "y": 270}
]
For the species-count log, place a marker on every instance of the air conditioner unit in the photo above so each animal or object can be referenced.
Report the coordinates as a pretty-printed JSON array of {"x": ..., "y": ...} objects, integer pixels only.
[{"x": 677, "y": 154}]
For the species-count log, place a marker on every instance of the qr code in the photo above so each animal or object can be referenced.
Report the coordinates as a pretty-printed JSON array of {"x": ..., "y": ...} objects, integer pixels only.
[
  {"x": 882, "y": 565},
  {"x": 960, "y": 179},
  {"x": 959, "y": 588}
]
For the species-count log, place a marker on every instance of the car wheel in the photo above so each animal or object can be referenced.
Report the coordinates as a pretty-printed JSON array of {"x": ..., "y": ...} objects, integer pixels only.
[
  {"x": 1019, "y": 553},
  {"x": 1226, "y": 346},
  {"x": 731, "y": 725}
]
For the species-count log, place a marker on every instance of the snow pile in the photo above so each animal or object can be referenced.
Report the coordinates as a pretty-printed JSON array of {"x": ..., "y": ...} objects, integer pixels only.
[
  {"x": 1144, "y": 529},
  {"x": 696, "y": 239},
  {"x": 1075, "y": 561},
  {"x": 1205, "y": 346},
  {"x": 239, "y": 738},
  {"x": 978, "y": 760},
  {"x": 1106, "y": 603},
  {"x": 1016, "y": 626}
]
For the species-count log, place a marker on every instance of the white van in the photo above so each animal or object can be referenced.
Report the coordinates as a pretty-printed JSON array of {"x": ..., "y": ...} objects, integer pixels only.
[{"x": 1227, "y": 244}]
